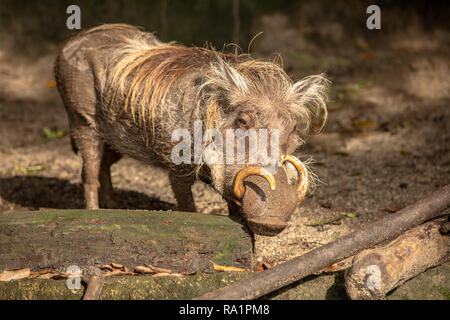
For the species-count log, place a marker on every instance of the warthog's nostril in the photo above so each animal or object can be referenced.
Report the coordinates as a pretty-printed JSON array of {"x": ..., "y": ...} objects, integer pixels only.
[
  {"x": 257, "y": 190},
  {"x": 239, "y": 188}
]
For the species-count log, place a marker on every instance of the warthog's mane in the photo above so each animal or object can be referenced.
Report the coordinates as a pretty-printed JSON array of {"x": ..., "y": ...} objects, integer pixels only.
[{"x": 146, "y": 71}]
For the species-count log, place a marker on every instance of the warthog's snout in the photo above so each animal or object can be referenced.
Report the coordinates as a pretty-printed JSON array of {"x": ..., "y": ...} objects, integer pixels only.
[{"x": 268, "y": 200}]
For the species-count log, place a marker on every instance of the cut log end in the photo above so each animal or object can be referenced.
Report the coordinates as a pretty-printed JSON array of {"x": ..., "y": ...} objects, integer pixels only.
[{"x": 377, "y": 271}]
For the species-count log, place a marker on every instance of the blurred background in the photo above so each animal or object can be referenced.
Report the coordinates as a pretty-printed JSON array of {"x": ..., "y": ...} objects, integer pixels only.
[
  {"x": 386, "y": 143},
  {"x": 35, "y": 26},
  {"x": 318, "y": 35}
]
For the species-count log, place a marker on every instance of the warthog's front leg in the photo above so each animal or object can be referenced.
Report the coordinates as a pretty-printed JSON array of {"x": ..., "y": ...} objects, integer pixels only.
[{"x": 181, "y": 187}]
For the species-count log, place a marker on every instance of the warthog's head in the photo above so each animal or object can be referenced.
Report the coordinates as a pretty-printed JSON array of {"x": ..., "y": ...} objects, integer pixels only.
[{"x": 254, "y": 106}]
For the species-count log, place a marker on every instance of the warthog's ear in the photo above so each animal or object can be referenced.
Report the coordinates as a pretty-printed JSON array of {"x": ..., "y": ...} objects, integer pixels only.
[{"x": 310, "y": 97}]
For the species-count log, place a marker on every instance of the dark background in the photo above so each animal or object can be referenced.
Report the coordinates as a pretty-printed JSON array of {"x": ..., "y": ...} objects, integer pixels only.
[{"x": 31, "y": 26}]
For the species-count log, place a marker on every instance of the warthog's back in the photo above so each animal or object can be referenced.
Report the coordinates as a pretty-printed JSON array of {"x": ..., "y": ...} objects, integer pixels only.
[{"x": 101, "y": 69}]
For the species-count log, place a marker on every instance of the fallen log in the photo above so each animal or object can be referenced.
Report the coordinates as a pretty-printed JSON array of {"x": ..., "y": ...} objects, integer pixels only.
[
  {"x": 121, "y": 287},
  {"x": 375, "y": 272},
  {"x": 315, "y": 260},
  {"x": 432, "y": 284},
  {"x": 179, "y": 241}
]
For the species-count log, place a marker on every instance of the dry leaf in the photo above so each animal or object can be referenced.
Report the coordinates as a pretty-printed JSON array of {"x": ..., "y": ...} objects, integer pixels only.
[
  {"x": 106, "y": 267},
  {"x": 8, "y": 275},
  {"x": 117, "y": 265},
  {"x": 364, "y": 124},
  {"x": 362, "y": 43},
  {"x": 96, "y": 221},
  {"x": 45, "y": 276},
  {"x": 38, "y": 273},
  {"x": 55, "y": 276},
  {"x": 144, "y": 270},
  {"x": 118, "y": 273},
  {"x": 126, "y": 269},
  {"x": 392, "y": 209},
  {"x": 60, "y": 276},
  {"x": 51, "y": 83},
  {"x": 261, "y": 266},
  {"x": 166, "y": 274},
  {"x": 226, "y": 268},
  {"x": 425, "y": 180},
  {"x": 334, "y": 267},
  {"x": 158, "y": 270}
]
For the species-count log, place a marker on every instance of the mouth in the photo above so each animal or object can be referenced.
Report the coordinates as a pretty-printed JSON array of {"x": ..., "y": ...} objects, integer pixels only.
[
  {"x": 269, "y": 227},
  {"x": 267, "y": 200}
]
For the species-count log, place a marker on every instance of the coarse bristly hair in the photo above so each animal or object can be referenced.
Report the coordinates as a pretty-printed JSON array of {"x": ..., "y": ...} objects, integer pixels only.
[{"x": 146, "y": 70}]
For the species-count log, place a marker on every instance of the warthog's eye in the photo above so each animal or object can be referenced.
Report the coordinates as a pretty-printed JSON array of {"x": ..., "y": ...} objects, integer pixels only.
[{"x": 244, "y": 121}]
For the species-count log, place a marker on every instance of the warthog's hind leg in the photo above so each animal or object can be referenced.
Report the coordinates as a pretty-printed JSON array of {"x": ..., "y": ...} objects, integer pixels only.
[{"x": 90, "y": 147}]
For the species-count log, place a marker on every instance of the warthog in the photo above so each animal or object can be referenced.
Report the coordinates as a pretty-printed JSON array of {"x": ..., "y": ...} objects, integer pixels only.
[{"x": 125, "y": 93}]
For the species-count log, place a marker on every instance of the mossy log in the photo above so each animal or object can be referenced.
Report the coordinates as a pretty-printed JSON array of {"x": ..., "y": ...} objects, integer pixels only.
[
  {"x": 431, "y": 284},
  {"x": 180, "y": 241}
]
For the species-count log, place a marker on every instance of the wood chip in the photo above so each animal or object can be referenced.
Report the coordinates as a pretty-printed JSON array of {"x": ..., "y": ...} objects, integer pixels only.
[
  {"x": 364, "y": 124},
  {"x": 166, "y": 274},
  {"x": 393, "y": 209},
  {"x": 334, "y": 267},
  {"x": 54, "y": 276},
  {"x": 106, "y": 267},
  {"x": 38, "y": 273},
  {"x": 117, "y": 265},
  {"x": 226, "y": 268},
  {"x": 8, "y": 275},
  {"x": 59, "y": 276},
  {"x": 51, "y": 84},
  {"x": 261, "y": 266},
  {"x": 144, "y": 270},
  {"x": 157, "y": 269},
  {"x": 425, "y": 180},
  {"x": 118, "y": 273}
]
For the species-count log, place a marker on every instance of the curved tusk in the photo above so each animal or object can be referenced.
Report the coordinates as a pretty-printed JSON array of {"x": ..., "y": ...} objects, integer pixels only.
[
  {"x": 302, "y": 173},
  {"x": 238, "y": 187}
]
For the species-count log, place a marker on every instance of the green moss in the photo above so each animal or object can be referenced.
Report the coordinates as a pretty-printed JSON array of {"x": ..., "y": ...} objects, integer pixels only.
[
  {"x": 178, "y": 240},
  {"x": 445, "y": 293},
  {"x": 110, "y": 227}
]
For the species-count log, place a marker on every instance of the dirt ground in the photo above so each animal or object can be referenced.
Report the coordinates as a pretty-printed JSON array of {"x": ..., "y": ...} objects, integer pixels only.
[{"x": 386, "y": 143}]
